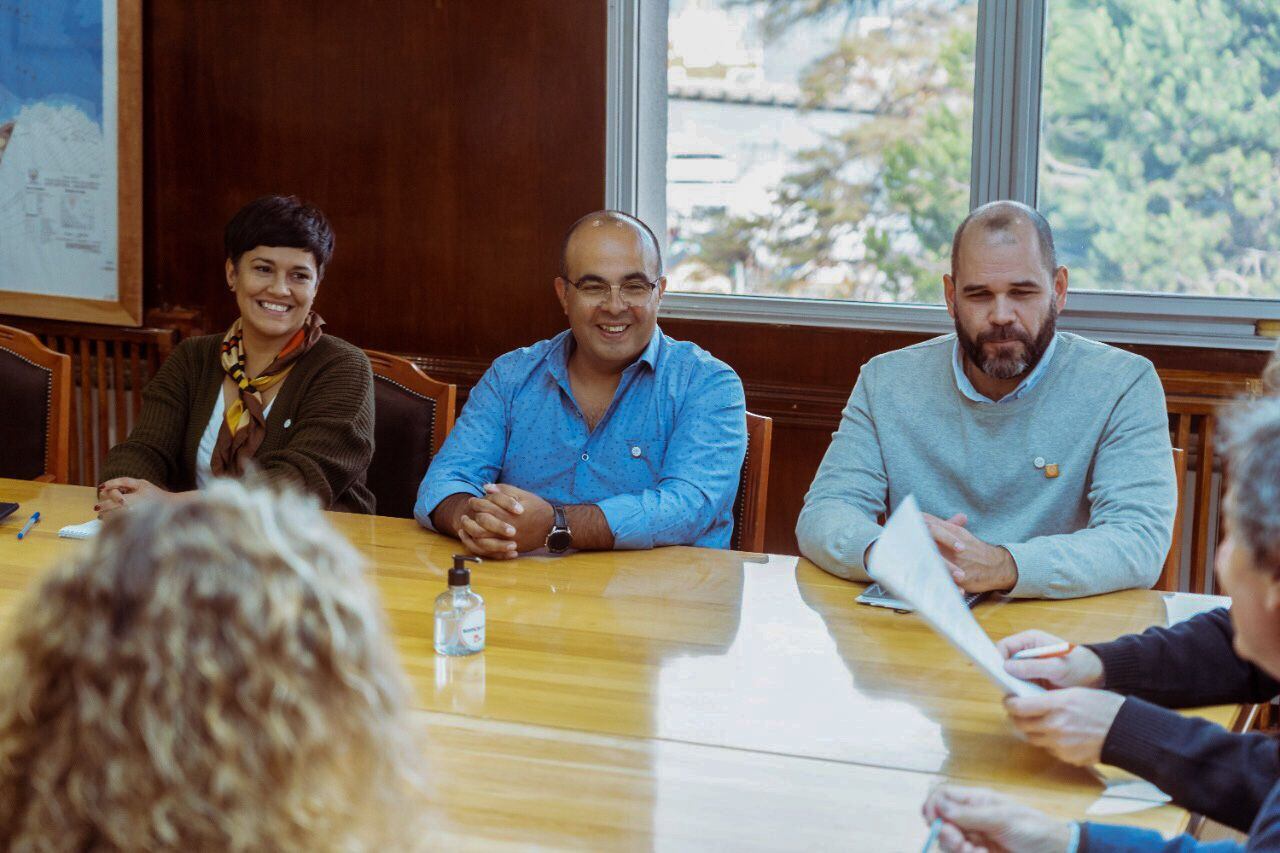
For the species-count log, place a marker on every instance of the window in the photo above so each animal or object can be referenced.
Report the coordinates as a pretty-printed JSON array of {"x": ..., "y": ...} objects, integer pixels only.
[
  {"x": 811, "y": 158},
  {"x": 820, "y": 157},
  {"x": 1160, "y": 148}
]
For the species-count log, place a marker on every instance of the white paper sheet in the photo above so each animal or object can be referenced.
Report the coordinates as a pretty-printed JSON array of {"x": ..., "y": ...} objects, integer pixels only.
[
  {"x": 1181, "y": 606},
  {"x": 906, "y": 561},
  {"x": 1124, "y": 793},
  {"x": 81, "y": 531}
]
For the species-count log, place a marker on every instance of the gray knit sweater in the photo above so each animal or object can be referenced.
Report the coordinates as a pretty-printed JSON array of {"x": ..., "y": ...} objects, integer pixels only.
[{"x": 1104, "y": 523}]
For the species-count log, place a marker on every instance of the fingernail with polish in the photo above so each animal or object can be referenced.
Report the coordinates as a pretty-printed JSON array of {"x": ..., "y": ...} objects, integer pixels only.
[
  {"x": 517, "y": 507},
  {"x": 511, "y": 531}
]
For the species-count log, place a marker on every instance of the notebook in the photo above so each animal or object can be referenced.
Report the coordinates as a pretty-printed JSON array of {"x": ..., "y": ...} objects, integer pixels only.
[{"x": 81, "y": 531}]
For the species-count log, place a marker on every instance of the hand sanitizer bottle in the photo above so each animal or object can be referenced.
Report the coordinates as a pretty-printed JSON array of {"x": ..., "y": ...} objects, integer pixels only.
[{"x": 459, "y": 613}]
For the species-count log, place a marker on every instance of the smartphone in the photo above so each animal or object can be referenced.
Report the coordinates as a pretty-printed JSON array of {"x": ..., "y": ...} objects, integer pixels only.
[
  {"x": 877, "y": 596},
  {"x": 7, "y": 509}
]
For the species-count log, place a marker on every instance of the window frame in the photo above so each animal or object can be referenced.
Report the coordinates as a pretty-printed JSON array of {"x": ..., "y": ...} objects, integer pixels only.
[{"x": 1004, "y": 164}]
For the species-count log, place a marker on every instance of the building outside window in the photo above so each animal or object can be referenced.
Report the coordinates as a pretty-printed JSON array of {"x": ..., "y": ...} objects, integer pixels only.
[{"x": 823, "y": 156}]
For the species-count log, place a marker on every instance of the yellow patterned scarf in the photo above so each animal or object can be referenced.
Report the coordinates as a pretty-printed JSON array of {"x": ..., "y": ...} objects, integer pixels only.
[{"x": 245, "y": 425}]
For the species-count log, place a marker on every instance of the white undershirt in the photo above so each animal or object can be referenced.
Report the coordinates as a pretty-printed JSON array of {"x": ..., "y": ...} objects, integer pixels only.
[{"x": 204, "y": 453}]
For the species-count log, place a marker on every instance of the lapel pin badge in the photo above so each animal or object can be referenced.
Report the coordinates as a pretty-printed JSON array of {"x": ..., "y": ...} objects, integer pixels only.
[{"x": 1050, "y": 469}]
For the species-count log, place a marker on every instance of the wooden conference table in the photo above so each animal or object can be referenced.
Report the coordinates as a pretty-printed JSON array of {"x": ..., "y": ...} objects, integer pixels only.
[{"x": 684, "y": 697}]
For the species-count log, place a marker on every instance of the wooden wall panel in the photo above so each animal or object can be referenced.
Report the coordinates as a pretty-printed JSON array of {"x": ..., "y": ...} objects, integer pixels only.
[{"x": 450, "y": 142}]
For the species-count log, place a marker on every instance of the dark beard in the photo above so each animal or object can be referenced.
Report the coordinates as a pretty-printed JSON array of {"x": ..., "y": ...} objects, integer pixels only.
[{"x": 1006, "y": 367}]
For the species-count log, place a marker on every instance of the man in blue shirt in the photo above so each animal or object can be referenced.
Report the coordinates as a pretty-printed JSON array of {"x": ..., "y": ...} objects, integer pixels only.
[{"x": 609, "y": 435}]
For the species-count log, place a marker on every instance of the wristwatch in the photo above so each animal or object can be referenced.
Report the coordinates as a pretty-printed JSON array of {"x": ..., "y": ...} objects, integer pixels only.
[{"x": 560, "y": 539}]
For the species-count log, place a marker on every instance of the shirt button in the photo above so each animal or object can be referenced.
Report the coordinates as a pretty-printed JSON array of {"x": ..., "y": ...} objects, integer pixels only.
[
  {"x": 585, "y": 457},
  {"x": 1038, "y": 462},
  {"x": 635, "y": 451}
]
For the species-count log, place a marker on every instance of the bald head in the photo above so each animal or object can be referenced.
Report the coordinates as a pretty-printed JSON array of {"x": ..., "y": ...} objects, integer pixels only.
[
  {"x": 611, "y": 224},
  {"x": 1000, "y": 222}
]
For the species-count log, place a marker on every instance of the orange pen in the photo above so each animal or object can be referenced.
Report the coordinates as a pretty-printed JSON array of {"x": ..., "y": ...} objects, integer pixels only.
[{"x": 1057, "y": 650}]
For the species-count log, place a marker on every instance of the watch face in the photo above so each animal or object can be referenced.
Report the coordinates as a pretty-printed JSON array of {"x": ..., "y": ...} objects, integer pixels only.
[{"x": 559, "y": 540}]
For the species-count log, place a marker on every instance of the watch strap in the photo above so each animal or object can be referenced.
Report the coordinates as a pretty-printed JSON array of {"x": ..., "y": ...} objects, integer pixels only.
[{"x": 560, "y": 539}]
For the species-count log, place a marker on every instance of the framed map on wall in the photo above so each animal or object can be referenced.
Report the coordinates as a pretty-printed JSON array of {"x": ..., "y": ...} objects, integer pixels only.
[{"x": 71, "y": 160}]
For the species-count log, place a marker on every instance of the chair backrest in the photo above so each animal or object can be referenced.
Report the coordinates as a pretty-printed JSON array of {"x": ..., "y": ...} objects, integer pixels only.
[
  {"x": 1172, "y": 572},
  {"x": 749, "y": 506},
  {"x": 35, "y": 395},
  {"x": 412, "y": 415},
  {"x": 110, "y": 365}
]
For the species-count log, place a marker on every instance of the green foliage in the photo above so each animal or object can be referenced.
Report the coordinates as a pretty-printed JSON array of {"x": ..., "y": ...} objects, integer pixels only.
[
  {"x": 1160, "y": 161},
  {"x": 1160, "y": 164}
]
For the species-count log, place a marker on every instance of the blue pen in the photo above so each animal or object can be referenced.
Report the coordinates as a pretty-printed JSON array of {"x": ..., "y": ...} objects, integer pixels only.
[
  {"x": 934, "y": 829},
  {"x": 31, "y": 522}
]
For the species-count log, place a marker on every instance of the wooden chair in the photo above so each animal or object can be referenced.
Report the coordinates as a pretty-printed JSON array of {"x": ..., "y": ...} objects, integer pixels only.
[
  {"x": 1193, "y": 398},
  {"x": 1172, "y": 573},
  {"x": 35, "y": 396},
  {"x": 749, "y": 507},
  {"x": 110, "y": 365},
  {"x": 413, "y": 414}
]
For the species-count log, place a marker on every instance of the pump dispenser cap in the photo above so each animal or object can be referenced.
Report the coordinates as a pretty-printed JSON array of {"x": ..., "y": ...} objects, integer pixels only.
[{"x": 460, "y": 575}]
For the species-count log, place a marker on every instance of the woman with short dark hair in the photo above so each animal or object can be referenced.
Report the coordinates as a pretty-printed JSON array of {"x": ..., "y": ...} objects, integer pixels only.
[{"x": 274, "y": 392}]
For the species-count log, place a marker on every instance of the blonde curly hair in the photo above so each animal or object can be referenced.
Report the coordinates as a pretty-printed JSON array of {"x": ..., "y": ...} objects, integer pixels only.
[{"x": 213, "y": 673}]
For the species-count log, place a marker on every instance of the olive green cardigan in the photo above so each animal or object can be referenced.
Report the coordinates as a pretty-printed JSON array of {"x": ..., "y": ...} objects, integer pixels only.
[{"x": 319, "y": 429}]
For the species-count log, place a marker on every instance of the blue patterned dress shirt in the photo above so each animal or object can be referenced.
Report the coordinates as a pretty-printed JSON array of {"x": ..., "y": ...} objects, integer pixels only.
[{"x": 662, "y": 464}]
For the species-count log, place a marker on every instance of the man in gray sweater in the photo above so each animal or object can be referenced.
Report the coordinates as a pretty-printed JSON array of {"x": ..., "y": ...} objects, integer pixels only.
[{"x": 1041, "y": 459}]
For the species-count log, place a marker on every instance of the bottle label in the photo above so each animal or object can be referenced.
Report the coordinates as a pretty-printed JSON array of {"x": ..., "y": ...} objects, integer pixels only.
[{"x": 472, "y": 630}]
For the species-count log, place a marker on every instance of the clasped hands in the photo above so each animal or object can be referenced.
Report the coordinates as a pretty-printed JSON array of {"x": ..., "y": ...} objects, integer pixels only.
[
  {"x": 119, "y": 492},
  {"x": 974, "y": 565},
  {"x": 1071, "y": 722},
  {"x": 504, "y": 522}
]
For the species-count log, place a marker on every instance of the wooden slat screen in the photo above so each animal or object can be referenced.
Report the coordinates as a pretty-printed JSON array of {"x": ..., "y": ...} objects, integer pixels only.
[{"x": 1194, "y": 399}]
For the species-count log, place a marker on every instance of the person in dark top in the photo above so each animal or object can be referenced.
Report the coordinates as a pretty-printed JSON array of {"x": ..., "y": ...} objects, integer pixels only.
[
  {"x": 1217, "y": 657},
  {"x": 275, "y": 392}
]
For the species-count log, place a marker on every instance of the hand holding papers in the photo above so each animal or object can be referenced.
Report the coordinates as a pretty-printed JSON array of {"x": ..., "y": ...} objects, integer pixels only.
[{"x": 906, "y": 561}]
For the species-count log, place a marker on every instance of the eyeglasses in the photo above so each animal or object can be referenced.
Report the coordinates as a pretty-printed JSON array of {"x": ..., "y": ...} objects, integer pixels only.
[{"x": 632, "y": 292}]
